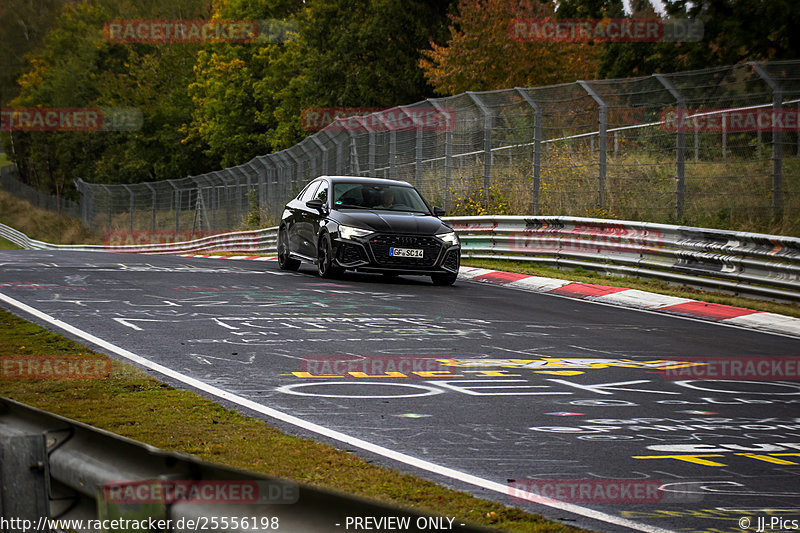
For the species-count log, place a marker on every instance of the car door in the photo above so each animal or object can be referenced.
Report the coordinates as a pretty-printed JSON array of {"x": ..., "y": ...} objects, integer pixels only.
[
  {"x": 317, "y": 217},
  {"x": 297, "y": 213},
  {"x": 305, "y": 220}
]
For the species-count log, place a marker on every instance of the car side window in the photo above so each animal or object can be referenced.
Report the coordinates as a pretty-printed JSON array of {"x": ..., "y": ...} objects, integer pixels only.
[
  {"x": 309, "y": 192},
  {"x": 322, "y": 192}
]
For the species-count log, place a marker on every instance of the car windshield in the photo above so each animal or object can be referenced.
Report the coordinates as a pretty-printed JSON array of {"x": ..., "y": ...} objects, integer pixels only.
[{"x": 378, "y": 197}]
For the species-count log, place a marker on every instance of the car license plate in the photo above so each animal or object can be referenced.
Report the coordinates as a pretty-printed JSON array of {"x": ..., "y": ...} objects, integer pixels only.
[{"x": 404, "y": 252}]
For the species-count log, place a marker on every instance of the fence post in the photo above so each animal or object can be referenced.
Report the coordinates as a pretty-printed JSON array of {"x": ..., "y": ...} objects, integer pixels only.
[
  {"x": 108, "y": 195},
  {"x": 537, "y": 148},
  {"x": 371, "y": 153},
  {"x": 176, "y": 202},
  {"x": 488, "y": 120},
  {"x": 153, "y": 196},
  {"x": 777, "y": 138},
  {"x": 601, "y": 142},
  {"x": 297, "y": 176},
  {"x": 448, "y": 150},
  {"x": 311, "y": 158},
  {"x": 324, "y": 150},
  {"x": 285, "y": 165},
  {"x": 680, "y": 147},
  {"x": 130, "y": 208}
]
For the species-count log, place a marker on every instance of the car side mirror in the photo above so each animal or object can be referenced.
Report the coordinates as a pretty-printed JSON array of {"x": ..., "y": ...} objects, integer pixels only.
[
  {"x": 316, "y": 203},
  {"x": 438, "y": 211}
]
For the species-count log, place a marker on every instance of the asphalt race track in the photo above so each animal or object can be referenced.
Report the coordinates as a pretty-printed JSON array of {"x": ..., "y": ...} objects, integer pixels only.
[{"x": 536, "y": 391}]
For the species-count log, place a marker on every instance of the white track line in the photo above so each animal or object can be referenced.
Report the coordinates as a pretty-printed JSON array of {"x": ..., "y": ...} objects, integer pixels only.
[{"x": 330, "y": 433}]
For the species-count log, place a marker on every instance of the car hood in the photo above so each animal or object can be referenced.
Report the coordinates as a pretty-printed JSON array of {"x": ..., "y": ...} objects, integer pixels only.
[{"x": 386, "y": 222}]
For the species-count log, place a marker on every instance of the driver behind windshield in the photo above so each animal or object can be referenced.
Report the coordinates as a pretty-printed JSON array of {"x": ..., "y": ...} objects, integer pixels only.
[{"x": 387, "y": 200}]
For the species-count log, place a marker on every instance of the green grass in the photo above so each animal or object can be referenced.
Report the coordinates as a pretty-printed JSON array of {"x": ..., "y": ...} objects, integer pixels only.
[
  {"x": 41, "y": 224},
  {"x": 133, "y": 404},
  {"x": 7, "y": 245},
  {"x": 4, "y": 159},
  {"x": 660, "y": 287}
]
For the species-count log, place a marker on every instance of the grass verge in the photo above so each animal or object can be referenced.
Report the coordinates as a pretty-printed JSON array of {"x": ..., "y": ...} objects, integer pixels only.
[
  {"x": 7, "y": 245},
  {"x": 131, "y": 403},
  {"x": 41, "y": 224},
  {"x": 660, "y": 287}
]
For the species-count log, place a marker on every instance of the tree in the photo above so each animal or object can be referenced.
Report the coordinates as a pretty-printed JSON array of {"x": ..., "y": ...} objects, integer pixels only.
[
  {"x": 735, "y": 31},
  {"x": 481, "y": 53},
  {"x": 77, "y": 67}
]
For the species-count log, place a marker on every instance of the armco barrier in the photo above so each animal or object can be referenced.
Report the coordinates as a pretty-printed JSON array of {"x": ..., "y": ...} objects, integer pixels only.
[
  {"x": 256, "y": 241},
  {"x": 747, "y": 263},
  {"x": 55, "y": 468}
]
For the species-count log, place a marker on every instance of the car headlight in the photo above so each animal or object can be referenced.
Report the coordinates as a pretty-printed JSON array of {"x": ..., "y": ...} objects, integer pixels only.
[
  {"x": 349, "y": 232},
  {"x": 450, "y": 238}
]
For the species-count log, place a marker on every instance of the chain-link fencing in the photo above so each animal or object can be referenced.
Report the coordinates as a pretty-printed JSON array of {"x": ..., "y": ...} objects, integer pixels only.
[
  {"x": 716, "y": 148},
  {"x": 10, "y": 183}
]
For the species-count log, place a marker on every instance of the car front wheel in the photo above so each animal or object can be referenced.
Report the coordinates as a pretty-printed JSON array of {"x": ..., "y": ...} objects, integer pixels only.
[{"x": 325, "y": 265}]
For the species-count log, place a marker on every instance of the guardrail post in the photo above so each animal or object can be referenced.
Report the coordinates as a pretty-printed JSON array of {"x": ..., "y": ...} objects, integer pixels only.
[
  {"x": 488, "y": 121},
  {"x": 680, "y": 147},
  {"x": 537, "y": 148},
  {"x": 448, "y": 150},
  {"x": 777, "y": 138},
  {"x": 24, "y": 479},
  {"x": 601, "y": 141}
]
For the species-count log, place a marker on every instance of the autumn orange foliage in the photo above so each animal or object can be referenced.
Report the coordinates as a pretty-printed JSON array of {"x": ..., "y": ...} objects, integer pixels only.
[{"x": 481, "y": 54}]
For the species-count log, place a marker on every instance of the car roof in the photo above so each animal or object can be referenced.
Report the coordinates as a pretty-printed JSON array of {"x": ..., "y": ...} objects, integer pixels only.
[{"x": 361, "y": 179}]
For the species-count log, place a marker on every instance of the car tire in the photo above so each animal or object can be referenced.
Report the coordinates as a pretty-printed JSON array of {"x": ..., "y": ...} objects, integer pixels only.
[
  {"x": 285, "y": 262},
  {"x": 325, "y": 266},
  {"x": 444, "y": 279}
]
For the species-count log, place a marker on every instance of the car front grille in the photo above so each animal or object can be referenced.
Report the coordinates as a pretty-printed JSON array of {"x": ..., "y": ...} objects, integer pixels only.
[{"x": 430, "y": 246}]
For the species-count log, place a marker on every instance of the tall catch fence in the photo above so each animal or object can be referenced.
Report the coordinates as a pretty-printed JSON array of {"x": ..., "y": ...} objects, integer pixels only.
[
  {"x": 10, "y": 183},
  {"x": 717, "y": 147}
]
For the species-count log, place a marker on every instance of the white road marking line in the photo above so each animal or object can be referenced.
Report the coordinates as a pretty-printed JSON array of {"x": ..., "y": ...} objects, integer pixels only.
[{"x": 330, "y": 433}]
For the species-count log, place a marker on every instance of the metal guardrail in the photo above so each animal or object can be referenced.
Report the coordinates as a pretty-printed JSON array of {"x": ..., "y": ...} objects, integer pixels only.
[
  {"x": 257, "y": 241},
  {"x": 744, "y": 263},
  {"x": 55, "y": 468},
  {"x": 748, "y": 263}
]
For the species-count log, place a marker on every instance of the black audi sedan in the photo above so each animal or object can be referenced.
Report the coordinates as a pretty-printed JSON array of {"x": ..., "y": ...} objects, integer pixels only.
[{"x": 369, "y": 225}]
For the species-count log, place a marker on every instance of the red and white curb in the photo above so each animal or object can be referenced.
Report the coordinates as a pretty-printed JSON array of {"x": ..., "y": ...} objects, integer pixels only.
[
  {"x": 618, "y": 296},
  {"x": 633, "y": 298}
]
